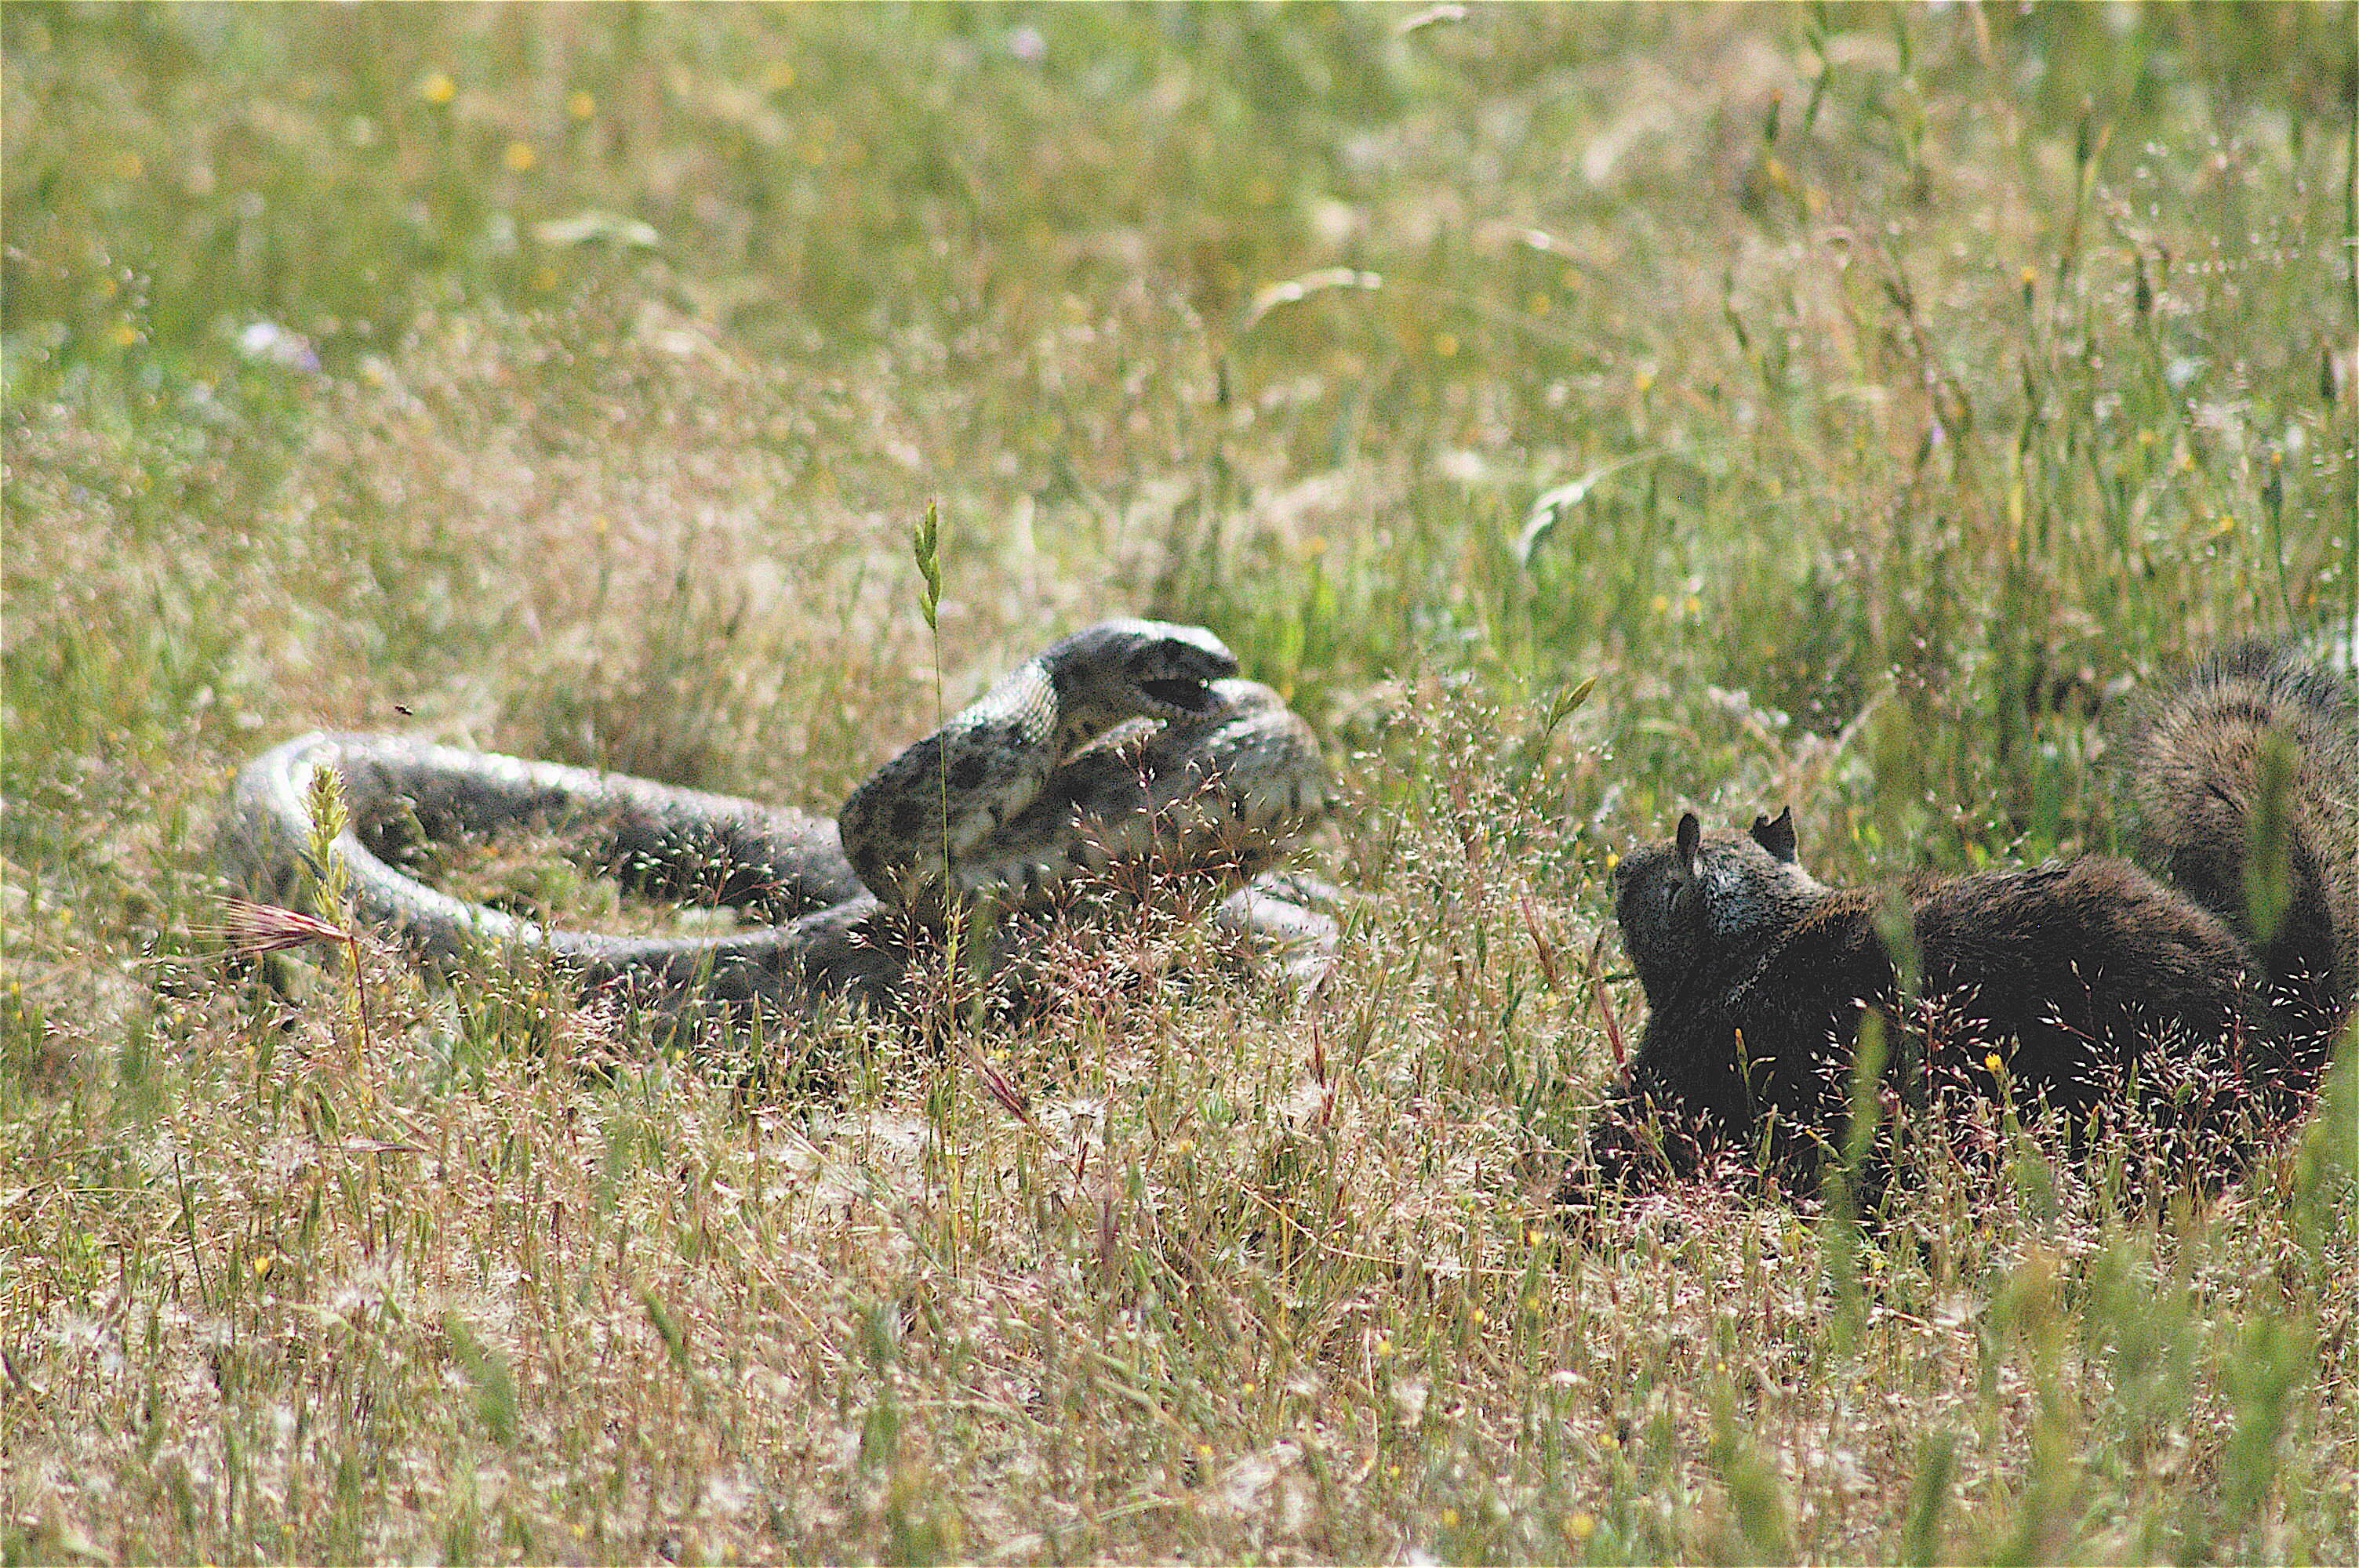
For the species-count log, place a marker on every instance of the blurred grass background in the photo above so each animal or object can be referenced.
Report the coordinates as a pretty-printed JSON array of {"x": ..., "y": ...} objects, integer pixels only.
[{"x": 1874, "y": 400}]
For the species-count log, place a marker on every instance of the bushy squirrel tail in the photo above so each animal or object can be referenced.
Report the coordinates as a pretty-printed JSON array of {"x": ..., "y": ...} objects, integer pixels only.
[{"x": 2245, "y": 783}]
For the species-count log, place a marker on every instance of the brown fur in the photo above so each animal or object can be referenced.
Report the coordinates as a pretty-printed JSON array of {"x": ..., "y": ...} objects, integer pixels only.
[{"x": 2087, "y": 993}]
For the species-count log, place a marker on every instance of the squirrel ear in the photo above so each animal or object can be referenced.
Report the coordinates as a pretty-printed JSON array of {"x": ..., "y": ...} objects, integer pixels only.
[
  {"x": 1689, "y": 841},
  {"x": 1777, "y": 836}
]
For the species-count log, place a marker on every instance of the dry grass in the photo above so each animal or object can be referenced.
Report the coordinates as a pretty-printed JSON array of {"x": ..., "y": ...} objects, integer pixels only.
[{"x": 1931, "y": 414}]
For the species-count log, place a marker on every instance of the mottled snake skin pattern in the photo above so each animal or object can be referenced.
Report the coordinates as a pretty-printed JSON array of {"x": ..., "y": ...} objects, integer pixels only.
[{"x": 1131, "y": 744}]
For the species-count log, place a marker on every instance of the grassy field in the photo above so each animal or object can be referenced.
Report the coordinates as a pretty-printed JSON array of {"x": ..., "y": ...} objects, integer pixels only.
[{"x": 1871, "y": 401}]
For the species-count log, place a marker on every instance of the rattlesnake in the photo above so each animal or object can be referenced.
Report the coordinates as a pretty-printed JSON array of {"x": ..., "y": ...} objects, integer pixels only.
[{"x": 1128, "y": 746}]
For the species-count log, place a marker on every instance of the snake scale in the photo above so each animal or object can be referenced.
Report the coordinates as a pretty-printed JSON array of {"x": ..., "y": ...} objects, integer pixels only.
[{"x": 1129, "y": 746}]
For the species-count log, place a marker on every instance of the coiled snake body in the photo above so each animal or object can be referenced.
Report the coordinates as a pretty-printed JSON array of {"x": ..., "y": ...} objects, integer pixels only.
[{"x": 1129, "y": 744}]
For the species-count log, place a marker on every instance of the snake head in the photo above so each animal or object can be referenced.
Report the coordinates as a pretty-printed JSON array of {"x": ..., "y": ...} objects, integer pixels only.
[{"x": 1154, "y": 669}]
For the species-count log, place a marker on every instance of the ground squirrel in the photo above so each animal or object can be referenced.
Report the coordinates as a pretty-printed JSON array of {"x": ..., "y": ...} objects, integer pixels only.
[{"x": 2197, "y": 1007}]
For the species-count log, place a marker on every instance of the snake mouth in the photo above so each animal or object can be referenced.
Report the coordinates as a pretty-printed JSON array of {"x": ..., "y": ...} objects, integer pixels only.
[{"x": 1184, "y": 696}]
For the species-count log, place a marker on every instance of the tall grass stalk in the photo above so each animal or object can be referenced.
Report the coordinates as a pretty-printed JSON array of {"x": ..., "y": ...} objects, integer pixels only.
[{"x": 1882, "y": 409}]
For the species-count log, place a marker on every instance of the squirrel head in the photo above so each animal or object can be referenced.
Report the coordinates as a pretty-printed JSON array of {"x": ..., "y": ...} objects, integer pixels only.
[{"x": 1703, "y": 910}]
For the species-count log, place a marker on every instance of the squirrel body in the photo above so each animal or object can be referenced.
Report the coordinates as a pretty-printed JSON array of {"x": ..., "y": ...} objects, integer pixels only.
[{"x": 2199, "y": 1006}]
